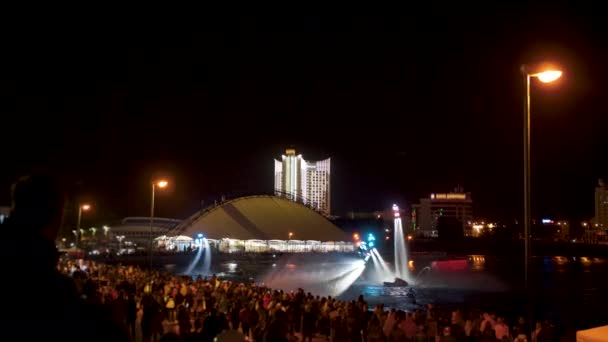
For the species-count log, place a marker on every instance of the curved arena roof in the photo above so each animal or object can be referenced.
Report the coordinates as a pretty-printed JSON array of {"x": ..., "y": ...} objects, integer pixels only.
[{"x": 263, "y": 218}]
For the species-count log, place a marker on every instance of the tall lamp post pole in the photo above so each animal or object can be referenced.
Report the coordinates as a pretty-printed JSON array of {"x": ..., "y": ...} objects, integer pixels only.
[
  {"x": 81, "y": 207},
  {"x": 544, "y": 76},
  {"x": 161, "y": 184}
]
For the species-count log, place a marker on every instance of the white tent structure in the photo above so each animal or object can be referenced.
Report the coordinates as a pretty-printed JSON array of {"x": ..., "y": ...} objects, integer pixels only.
[
  {"x": 599, "y": 334},
  {"x": 266, "y": 224},
  {"x": 179, "y": 243}
]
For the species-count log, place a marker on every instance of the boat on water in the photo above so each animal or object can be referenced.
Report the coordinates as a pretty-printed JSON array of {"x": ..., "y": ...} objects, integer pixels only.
[{"x": 397, "y": 283}]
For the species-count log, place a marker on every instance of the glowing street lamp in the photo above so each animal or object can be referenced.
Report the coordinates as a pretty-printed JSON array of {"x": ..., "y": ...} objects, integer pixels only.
[
  {"x": 545, "y": 76},
  {"x": 548, "y": 75},
  {"x": 161, "y": 184},
  {"x": 120, "y": 238},
  {"x": 81, "y": 208},
  {"x": 356, "y": 236}
]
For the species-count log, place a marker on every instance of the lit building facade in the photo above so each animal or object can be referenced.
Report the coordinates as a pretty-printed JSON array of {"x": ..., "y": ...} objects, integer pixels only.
[
  {"x": 304, "y": 181},
  {"x": 601, "y": 206},
  {"x": 454, "y": 205}
]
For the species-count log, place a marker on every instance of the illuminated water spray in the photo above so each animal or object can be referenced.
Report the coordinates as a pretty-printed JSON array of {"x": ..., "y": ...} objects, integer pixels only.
[
  {"x": 400, "y": 252},
  {"x": 384, "y": 273},
  {"x": 203, "y": 247},
  {"x": 207, "y": 260}
]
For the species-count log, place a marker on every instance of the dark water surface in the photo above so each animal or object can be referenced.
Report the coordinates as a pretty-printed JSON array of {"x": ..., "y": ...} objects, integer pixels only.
[{"x": 571, "y": 291}]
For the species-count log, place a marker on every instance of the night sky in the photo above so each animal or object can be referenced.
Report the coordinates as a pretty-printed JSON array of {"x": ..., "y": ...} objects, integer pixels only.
[{"x": 405, "y": 104}]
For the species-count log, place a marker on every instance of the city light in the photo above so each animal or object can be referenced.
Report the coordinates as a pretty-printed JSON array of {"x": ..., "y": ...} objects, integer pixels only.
[
  {"x": 371, "y": 244},
  {"x": 200, "y": 235},
  {"x": 85, "y": 207},
  {"x": 548, "y": 76},
  {"x": 356, "y": 236},
  {"x": 371, "y": 237},
  {"x": 162, "y": 183}
]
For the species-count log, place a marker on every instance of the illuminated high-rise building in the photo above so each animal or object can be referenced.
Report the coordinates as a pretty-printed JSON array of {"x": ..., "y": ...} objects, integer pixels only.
[
  {"x": 601, "y": 206},
  {"x": 304, "y": 181},
  {"x": 455, "y": 205}
]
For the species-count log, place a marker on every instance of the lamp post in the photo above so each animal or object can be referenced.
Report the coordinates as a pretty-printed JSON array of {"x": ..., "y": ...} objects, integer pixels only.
[
  {"x": 93, "y": 231},
  {"x": 545, "y": 76},
  {"x": 81, "y": 208},
  {"x": 161, "y": 184}
]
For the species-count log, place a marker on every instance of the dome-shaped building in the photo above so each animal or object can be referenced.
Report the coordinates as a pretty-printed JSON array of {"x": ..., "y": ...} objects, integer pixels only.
[{"x": 265, "y": 223}]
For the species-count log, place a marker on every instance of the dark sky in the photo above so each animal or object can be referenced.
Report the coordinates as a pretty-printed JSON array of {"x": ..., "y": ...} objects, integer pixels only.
[{"x": 405, "y": 103}]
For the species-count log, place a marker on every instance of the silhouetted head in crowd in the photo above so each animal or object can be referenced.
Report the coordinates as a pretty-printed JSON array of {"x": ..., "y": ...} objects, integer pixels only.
[{"x": 37, "y": 206}]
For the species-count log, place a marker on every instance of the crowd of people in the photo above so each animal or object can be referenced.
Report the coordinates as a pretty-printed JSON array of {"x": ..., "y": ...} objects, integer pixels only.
[
  {"x": 153, "y": 305},
  {"x": 49, "y": 297}
]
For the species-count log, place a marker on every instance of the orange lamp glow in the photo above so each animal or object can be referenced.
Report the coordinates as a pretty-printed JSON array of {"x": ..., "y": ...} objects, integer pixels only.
[{"x": 548, "y": 75}]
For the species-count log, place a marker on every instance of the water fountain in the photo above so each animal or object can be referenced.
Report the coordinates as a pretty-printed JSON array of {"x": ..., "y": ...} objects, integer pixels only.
[
  {"x": 207, "y": 261},
  {"x": 400, "y": 251},
  {"x": 203, "y": 246},
  {"x": 384, "y": 274},
  {"x": 335, "y": 275},
  {"x": 423, "y": 271}
]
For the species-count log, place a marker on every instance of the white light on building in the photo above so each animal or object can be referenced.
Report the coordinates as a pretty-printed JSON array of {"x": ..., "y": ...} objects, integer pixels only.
[{"x": 305, "y": 181}]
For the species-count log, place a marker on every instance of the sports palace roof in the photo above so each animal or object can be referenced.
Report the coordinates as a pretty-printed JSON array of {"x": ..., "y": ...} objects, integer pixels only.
[{"x": 261, "y": 218}]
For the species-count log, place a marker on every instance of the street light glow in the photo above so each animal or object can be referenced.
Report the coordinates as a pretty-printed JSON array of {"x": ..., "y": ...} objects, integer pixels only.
[
  {"x": 548, "y": 76},
  {"x": 162, "y": 183},
  {"x": 85, "y": 207}
]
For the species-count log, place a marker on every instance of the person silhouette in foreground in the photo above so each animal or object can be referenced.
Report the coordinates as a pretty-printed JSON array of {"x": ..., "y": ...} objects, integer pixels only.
[{"x": 39, "y": 302}]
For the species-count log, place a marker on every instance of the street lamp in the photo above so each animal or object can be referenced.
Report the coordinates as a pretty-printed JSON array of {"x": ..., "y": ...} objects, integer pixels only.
[
  {"x": 161, "y": 184},
  {"x": 106, "y": 229},
  {"x": 81, "y": 208},
  {"x": 545, "y": 76},
  {"x": 120, "y": 238}
]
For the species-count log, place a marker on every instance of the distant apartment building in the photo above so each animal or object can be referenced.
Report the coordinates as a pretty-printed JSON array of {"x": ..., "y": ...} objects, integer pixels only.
[
  {"x": 308, "y": 182},
  {"x": 455, "y": 205},
  {"x": 601, "y": 206}
]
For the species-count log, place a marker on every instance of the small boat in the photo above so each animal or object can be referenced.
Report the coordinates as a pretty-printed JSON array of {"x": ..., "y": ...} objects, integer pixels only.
[{"x": 397, "y": 283}]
